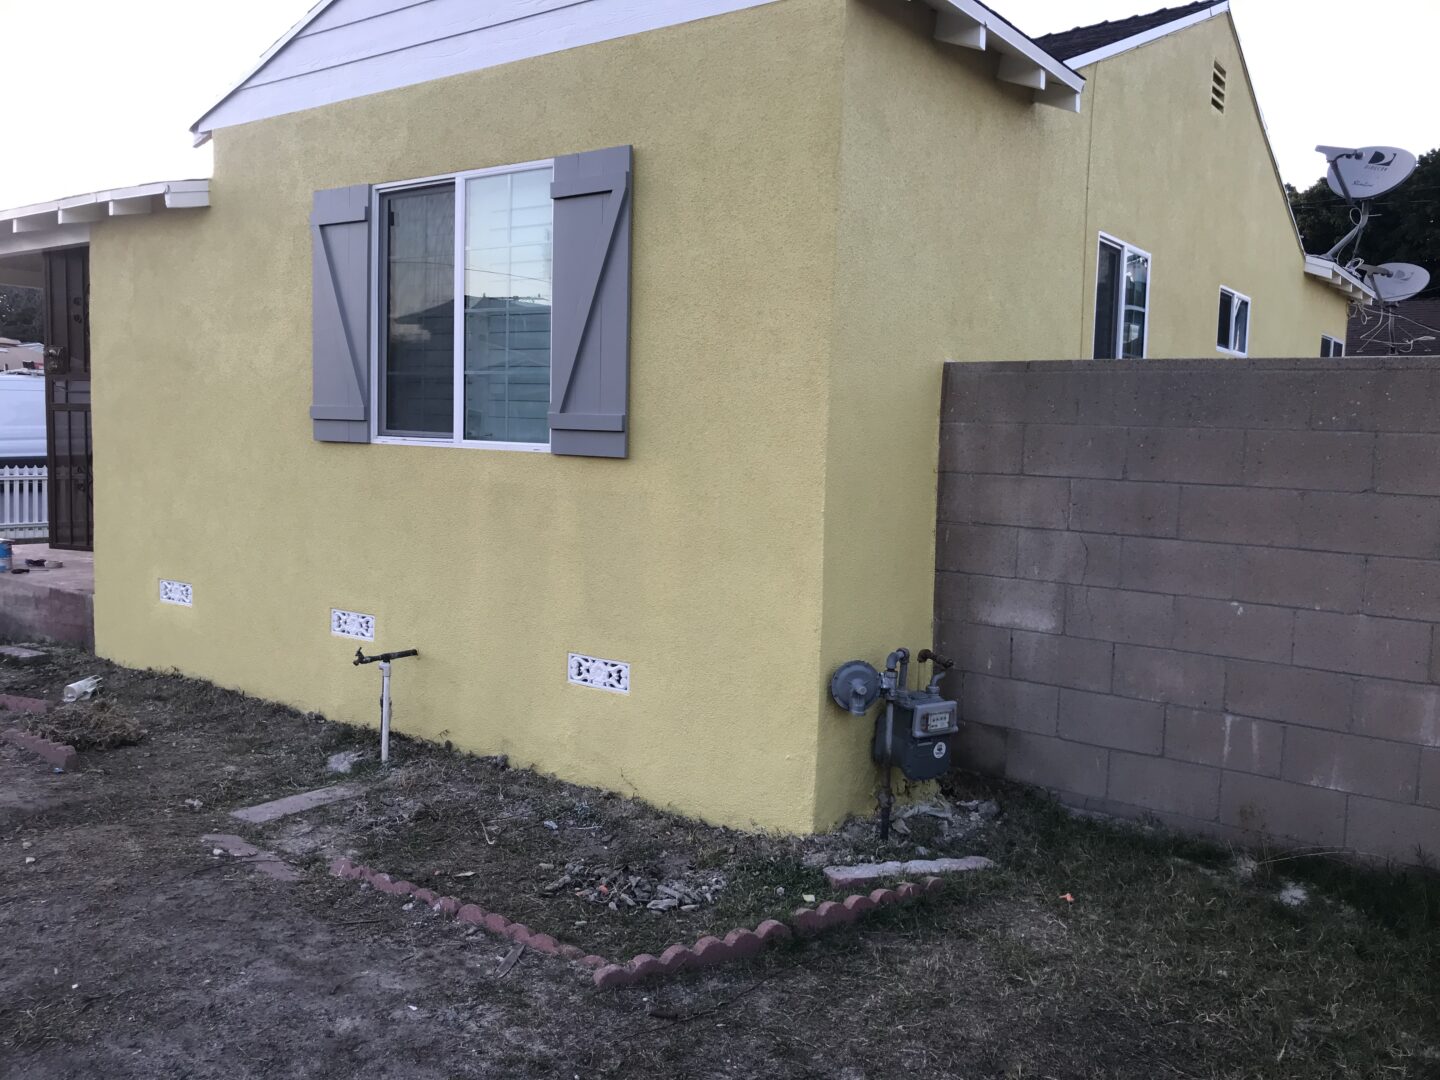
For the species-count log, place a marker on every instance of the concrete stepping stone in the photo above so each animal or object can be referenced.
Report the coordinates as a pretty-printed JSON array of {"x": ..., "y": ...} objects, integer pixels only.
[
  {"x": 296, "y": 804},
  {"x": 266, "y": 862},
  {"x": 865, "y": 873}
]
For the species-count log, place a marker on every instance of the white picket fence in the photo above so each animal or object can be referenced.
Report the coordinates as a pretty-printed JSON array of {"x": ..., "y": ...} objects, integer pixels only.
[{"x": 23, "y": 513}]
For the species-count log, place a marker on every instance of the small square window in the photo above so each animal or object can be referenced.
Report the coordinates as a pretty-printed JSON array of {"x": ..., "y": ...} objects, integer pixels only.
[
  {"x": 1330, "y": 346},
  {"x": 1232, "y": 334}
]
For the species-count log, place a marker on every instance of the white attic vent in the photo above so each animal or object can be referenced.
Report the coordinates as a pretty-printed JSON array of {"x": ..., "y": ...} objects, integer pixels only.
[
  {"x": 1217, "y": 87},
  {"x": 177, "y": 592},
  {"x": 612, "y": 675},
  {"x": 352, "y": 624}
]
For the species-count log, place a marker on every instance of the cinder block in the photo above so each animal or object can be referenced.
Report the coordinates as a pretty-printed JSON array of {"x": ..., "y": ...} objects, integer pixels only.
[
  {"x": 1288, "y": 694},
  {"x": 1406, "y": 712},
  {"x": 1403, "y": 588},
  {"x": 988, "y": 395},
  {"x": 1116, "y": 722},
  {"x": 976, "y": 549},
  {"x": 1233, "y": 628},
  {"x": 1060, "y": 660},
  {"x": 1407, "y": 464},
  {"x": 1040, "y": 502},
  {"x": 1343, "y": 400},
  {"x": 1186, "y": 455},
  {"x": 1233, "y": 515},
  {"x": 1407, "y": 834},
  {"x": 980, "y": 747},
  {"x": 1404, "y": 401},
  {"x": 1008, "y": 703},
  {"x": 1332, "y": 759},
  {"x": 1063, "y": 393},
  {"x": 1282, "y": 810},
  {"x": 1074, "y": 450},
  {"x": 1012, "y": 602},
  {"x": 1430, "y": 777},
  {"x": 981, "y": 448},
  {"x": 974, "y": 647},
  {"x": 1175, "y": 678},
  {"x": 1363, "y": 644},
  {"x": 1119, "y": 615},
  {"x": 1072, "y": 557},
  {"x": 1176, "y": 787},
  {"x": 1222, "y": 395},
  {"x": 1309, "y": 579},
  {"x": 1369, "y": 524},
  {"x": 1124, "y": 506},
  {"x": 1321, "y": 460},
  {"x": 1057, "y": 764},
  {"x": 1233, "y": 742},
  {"x": 1178, "y": 566}
]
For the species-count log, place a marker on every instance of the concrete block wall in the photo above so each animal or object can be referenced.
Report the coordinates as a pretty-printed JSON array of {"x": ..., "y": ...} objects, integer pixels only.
[{"x": 1205, "y": 591}]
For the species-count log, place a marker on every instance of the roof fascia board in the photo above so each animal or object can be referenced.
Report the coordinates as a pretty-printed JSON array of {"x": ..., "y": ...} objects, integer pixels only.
[
  {"x": 1338, "y": 277},
  {"x": 1155, "y": 33},
  {"x": 66, "y": 222}
]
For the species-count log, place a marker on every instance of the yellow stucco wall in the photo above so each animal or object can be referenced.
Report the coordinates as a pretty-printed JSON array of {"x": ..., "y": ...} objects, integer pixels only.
[
  {"x": 968, "y": 222},
  {"x": 828, "y": 205},
  {"x": 697, "y": 559},
  {"x": 1198, "y": 190}
]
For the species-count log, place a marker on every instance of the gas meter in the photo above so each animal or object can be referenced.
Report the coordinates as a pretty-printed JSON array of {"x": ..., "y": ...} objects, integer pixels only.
[{"x": 913, "y": 731}]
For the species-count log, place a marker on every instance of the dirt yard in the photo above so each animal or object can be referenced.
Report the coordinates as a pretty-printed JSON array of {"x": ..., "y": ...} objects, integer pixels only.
[{"x": 130, "y": 949}]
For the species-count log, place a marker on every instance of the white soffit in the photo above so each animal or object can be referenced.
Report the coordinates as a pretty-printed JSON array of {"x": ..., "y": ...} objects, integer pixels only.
[
  {"x": 1115, "y": 48},
  {"x": 65, "y": 222},
  {"x": 1337, "y": 277},
  {"x": 972, "y": 25}
]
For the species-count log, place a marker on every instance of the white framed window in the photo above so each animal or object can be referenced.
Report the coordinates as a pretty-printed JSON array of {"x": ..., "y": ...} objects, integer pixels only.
[
  {"x": 1122, "y": 300},
  {"x": 1330, "y": 346},
  {"x": 463, "y": 287},
  {"x": 1232, "y": 332}
]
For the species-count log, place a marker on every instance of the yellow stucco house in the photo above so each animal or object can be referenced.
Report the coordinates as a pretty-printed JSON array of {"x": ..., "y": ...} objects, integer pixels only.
[{"x": 594, "y": 350}]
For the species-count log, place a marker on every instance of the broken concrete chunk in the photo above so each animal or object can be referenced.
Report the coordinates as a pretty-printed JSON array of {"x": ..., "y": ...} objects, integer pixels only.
[
  {"x": 19, "y": 654},
  {"x": 345, "y": 760},
  {"x": 865, "y": 873}
]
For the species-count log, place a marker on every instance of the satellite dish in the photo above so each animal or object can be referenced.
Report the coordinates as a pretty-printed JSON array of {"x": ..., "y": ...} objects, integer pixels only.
[
  {"x": 1366, "y": 172},
  {"x": 1396, "y": 281}
]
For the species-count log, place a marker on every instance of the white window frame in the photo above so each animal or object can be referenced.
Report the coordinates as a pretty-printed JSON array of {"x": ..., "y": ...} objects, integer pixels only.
[
  {"x": 377, "y": 322},
  {"x": 1236, "y": 295},
  {"x": 1335, "y": 344},
  {"x": 1126, "y": 249}
]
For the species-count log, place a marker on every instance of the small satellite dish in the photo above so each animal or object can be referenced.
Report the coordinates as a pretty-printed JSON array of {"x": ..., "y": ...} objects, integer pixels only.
[
  {"x": 1366, "y": 172},
  {"x": 1396, "y": 281}
]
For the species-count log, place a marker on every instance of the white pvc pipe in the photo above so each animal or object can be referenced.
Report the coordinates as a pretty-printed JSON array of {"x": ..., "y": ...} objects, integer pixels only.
[{"x": 384, "y": 711}]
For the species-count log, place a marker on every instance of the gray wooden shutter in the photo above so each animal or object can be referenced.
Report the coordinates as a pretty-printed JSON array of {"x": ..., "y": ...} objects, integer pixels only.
[
  {"x": 340, "y": 239},
  {"x": 590, "y": 319}
]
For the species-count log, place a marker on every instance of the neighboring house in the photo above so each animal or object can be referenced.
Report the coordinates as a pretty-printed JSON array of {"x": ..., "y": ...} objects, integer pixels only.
[
  {"x": 1409, "y": 328},
  {"x": 747, "y": 234}
]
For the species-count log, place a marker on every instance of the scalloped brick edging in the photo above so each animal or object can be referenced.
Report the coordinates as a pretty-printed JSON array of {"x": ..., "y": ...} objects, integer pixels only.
[
  {"x": 56, "y": 754},
  {"x": 466, "y": 913},
  {"x": 741, "y": 944},
  {"x": 738, "y": 944}
]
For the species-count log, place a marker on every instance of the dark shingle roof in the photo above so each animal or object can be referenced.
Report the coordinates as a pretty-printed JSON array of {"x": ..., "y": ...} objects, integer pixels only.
[
  {"x": 1413, "y": 318},
  {"x": 1071, "y": 43}
]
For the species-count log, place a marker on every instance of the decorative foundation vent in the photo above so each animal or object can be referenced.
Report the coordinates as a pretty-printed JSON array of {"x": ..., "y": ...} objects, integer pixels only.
[
  {"x": 612, "y": 675},
  {"x": 177, "y": 592},
  {"x": 352, "y": 624}
]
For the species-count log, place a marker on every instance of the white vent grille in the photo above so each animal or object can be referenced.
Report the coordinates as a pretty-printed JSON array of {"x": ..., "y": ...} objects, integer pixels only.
[
  {"x": 177, "y": 592},
  {"x": 612, "y": 675},
  {"x": 1217, "y": 87},
  {"x": 352, "y": 624}
]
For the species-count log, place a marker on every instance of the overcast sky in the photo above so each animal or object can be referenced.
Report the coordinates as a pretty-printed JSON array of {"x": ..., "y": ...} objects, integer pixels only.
[{"x": 101, "y": 93}]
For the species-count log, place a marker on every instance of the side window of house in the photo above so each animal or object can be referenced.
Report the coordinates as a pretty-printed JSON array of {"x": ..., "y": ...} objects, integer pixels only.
[
  {"x": 1122, "y": 300},
  {"x": 1232, "y": 334},
  {"x": 465, "y": 356},
  {"x": 1330, "y": 346},
  {"x": 488, "y": 308}
]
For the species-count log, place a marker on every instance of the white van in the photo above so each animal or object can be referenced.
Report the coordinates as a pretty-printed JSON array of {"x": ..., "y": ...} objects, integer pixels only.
[{"x": 22, "y": 418}]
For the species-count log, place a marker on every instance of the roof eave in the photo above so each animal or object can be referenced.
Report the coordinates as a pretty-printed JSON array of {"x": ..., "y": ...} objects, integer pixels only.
[
  {"x": 1145, "y": 37},
  {"x": 1337, "y": 277},
  {"x": 971, "y": 25}
]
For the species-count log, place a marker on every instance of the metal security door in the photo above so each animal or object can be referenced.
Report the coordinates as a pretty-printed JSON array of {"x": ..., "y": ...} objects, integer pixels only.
[{"x": 67, "y": 397}]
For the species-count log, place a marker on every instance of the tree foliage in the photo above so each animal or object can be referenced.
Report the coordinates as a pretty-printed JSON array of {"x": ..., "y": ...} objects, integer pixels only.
[
  {"x": 22, "y": 313},
  {"x": 1404, "y": 225}
]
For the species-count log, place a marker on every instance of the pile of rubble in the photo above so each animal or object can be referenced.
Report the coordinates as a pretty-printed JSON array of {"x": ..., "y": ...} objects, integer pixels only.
[{"x": 625, "y": 887}]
